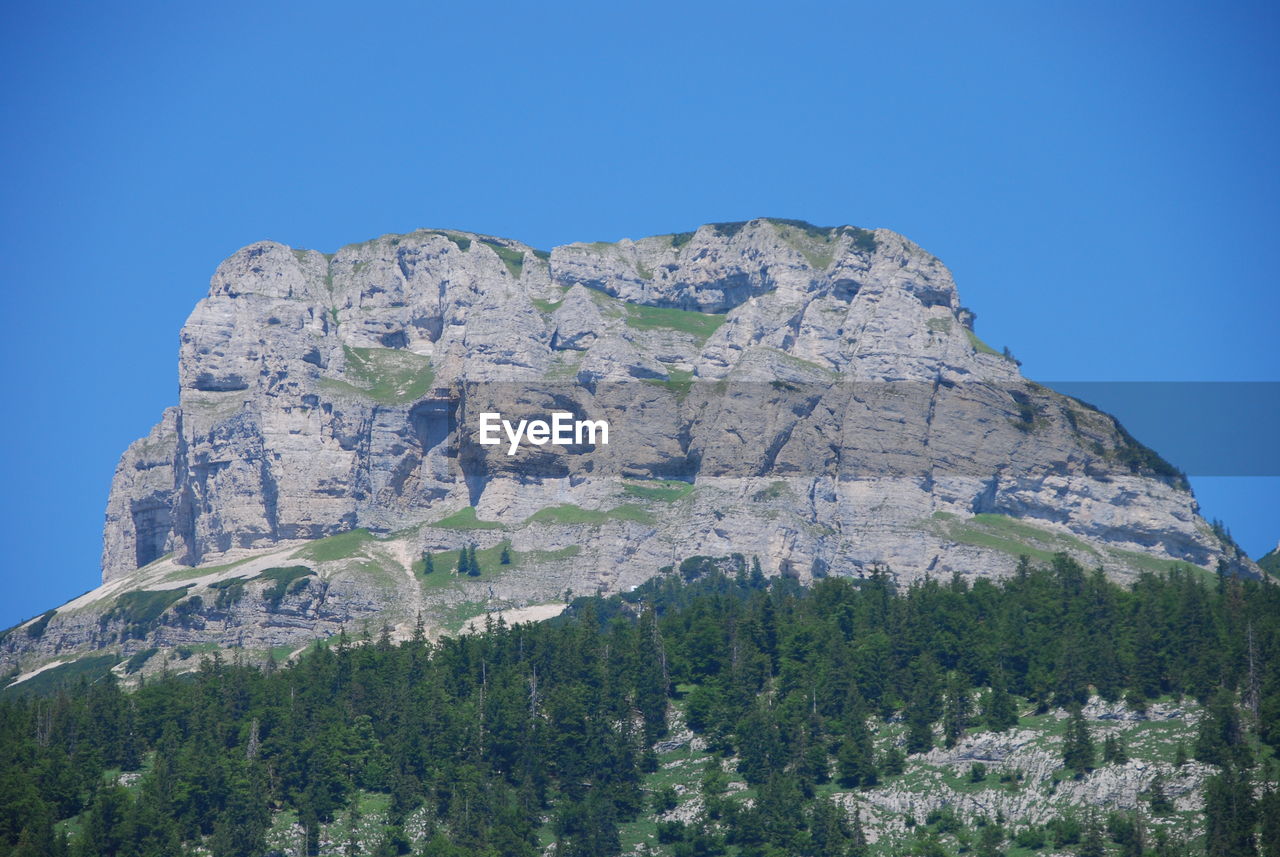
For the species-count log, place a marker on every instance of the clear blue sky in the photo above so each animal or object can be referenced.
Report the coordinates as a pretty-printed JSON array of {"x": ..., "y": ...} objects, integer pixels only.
[{"x": 1101, "y": 178}]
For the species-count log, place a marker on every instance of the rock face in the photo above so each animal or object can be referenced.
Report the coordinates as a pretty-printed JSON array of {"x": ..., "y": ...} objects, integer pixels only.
[
  {"x": 814, "y": 397},
  {"x": 820, "y": 391},
  {"x": 1023, "y": 782}
]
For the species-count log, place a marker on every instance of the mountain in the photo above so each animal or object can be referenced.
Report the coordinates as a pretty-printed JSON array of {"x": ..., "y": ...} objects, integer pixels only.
[
  {"x": 813, "y": 397},
  {"x": 1270, "y": 562}
]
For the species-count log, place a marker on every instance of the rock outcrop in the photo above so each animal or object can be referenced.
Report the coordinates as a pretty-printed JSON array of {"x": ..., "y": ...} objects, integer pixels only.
[
  {"x": 815, "y": 397},
  {"x": 317, "y": 394}
]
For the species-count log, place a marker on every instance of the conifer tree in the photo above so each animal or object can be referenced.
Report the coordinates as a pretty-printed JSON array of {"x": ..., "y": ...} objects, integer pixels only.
[
  {"x": 1220, "y": 740},
  {"x": 990, "y": 840},
  {"x": 352, "y": 847},
  {"x": 828, "y": 828},
  {"x": 1269, "y": 810},
  {"x": 999, "y": 710},
  {"x": 855, "y": 762},
  {"x": 919, "y": 722},
  {"x": 1078, "y": 751},
  {"x": 1160, "y": 803},
  {"x": 857, "y": 837},
  {"x": 1230, "y": 814},
  {"x": 893, "y": 762},
  {"x": 1113, "y": 750},
  {"x": 1093, "y": 844},
  {"x": 813, "y": 763},
  {"x": 955, "y": 710}
]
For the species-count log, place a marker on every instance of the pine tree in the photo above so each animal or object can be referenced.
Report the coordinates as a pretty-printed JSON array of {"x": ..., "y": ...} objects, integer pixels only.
[
  {"x": 1113, "y": 751},
  {"x": 990, "y": 840},
  {"x": 1135, "y": 845},
  {"x": 473, "y": 565},
  {"x": 1069, "y": 678},
  {"x": 1078, "y": 751},
  {"x": 857, "y": 837},
  {"x": 829, "y": 828},
  {"x": 505, "y": 557},
  {"x": 310, "y": 822},
  {"x": 919, "y": 723},
  {"x": 1230, "y": 814},
  {"x": 814, "y": 765},
  {"x": 1269, "y": 810},
  {"x": 1093, "y": 844},
  {"x": 428, "y": 563},
  {"x": 855, "y": 762},
  {"x": 925, "y": 705},
  {"x": 107, "y": 827},
  {"x": 893, "y": 762},
  {"x": 352, "y": 848},
  {"x": 999, "y": 709},
  {"x": 955, "y": 710},
  {"x": 1220, "y": 740},
  {"x": 757, "y": 745},
  {"x": 242, "y": 825},
  {"x": 1160, "y": 803}
]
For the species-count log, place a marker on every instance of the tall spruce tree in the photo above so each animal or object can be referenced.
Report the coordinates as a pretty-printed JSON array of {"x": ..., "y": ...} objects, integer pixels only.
[
  {"x": 955, "y": 710},
  {"x": 999, "y": 710},
  {"x": 1078, "y": 752},
  {"x": 1230, "y": 814},
  {"x": 855, "y": 760}
]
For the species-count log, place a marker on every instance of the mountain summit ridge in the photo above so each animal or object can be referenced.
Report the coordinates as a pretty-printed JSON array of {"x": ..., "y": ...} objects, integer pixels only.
[
  {"x": 293, "y": 328},
  {"x": 815, "y": 397}
]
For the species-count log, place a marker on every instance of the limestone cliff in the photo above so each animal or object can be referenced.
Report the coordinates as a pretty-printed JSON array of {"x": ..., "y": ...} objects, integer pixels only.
[
  {"x": 306, "y": 396},
  {"x": 814, "y": 397}
]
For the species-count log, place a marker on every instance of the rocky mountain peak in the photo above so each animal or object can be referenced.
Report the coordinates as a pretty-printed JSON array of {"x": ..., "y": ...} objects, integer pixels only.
[
  {"x": 307, "y": 382},
  {"x": 813, "y": 397}
]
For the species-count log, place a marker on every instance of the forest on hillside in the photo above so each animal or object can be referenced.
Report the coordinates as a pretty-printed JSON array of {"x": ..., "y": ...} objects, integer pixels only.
[{"x": 545, "y": 738}]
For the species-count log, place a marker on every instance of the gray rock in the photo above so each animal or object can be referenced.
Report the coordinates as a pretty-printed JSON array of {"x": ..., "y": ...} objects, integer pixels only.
[
  {"x": 303, "y": 378},
  {"x": 819, "y": 391}
]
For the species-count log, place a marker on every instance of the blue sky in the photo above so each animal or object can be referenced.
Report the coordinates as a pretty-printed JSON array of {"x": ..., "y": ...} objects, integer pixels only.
[{"x": 1101, "y": 178}]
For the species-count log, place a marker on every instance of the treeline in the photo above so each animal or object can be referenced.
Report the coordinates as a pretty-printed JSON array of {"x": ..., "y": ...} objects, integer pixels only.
[{"x": 550, "y": 728}]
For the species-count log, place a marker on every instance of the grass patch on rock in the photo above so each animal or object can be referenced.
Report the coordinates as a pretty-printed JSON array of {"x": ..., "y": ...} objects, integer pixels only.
[
  {"x": 465, "y": 519},
  {"x": 815, "y": 243},
  {"x": 658, "y": 490},
  {"x": 332, "y": 548},
  {"x": 511, "y": 258},
  {"x": 137, "y": 660},
  {"x": 678, "y": 382},
  {"x": 140, "y": 610},
  {"x": 980, "y": 346},
  {"x": 285, "y": 581},
  {"x": 1008, "y": 535},
  {"x": 570, "y": 514},
  {"x": 92, "y": 669},
  {"x": 391, "y": 376},
  {"x": 697, "y": 324},
  {"x": 446, "y": 565}
]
